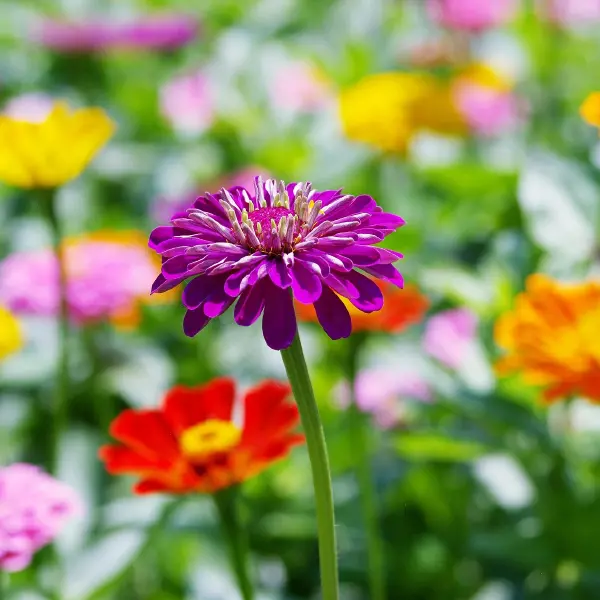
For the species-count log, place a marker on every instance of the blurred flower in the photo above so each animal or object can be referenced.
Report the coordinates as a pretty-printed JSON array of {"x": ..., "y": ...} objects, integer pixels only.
[
  {"x": 485, "y": 99},
  {"x": 448, "y": 335},
  {"x": 299, "y": 87},
  {"x": 108, "y": 274},
  {"x": 437, "y": 52},
  {"x": 383, "y": 392},
  {"x": 590, "y": 109},
  {"x": 33, "y": 108},
  {"x": 472, "y": 15},
  {"x": 388, "y": 109},
  {"x": 400, "y": 310},
  {"x": 259, "y": 248},
  {"x": 186, "y": 102},
  {"x": 49, "y": 153},
  {"x": 166, "y": 31},
  {"x": 551, "y": 337},
  {"x": 192, "y": 444},
  {"x": 11, "y": 338},
  {"x": 569, "y": 12},
  {"x": 34, "y": 508}
]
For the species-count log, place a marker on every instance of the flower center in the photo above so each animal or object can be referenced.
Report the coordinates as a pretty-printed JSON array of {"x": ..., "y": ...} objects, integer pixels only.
[
  {"x": 210, "y": 437},
  {"x": 264, "y": 216}
]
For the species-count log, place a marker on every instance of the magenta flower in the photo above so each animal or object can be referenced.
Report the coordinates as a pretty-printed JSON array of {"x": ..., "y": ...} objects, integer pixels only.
[
  {"x": 34, "y": 508},
  {"x": 449, "y": 334},
  {"x": 166, "y": 31},
  {"x": 186, "y": 102},
  {"x": 280, "y": 243},
  {"x": 570, "y": 12},
  {"x": 472, "y": 15},
  {"x": 488, "y": 111},
  {"x": 383, "y": 394},
  {"x": 106, "y": 279}
]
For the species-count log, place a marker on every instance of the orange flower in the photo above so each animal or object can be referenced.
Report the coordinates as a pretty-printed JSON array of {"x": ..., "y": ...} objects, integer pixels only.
[
  {"x": 401, "y": 308},
  {"x": 590, "y": 109},
  {"x": 192, "y": 444},
  {"x": 552, "y": 338}
]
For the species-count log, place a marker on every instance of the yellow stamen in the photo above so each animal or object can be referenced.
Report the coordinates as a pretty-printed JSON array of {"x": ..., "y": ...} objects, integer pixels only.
[{"x": 210, "y": 437}]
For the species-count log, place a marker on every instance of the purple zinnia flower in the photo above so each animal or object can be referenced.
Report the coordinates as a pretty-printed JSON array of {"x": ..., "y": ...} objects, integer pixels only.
[
  {"x": 160, "y": 31},
  {"x": 280, "y": 243},
  {"x": 34, "y": 508}
]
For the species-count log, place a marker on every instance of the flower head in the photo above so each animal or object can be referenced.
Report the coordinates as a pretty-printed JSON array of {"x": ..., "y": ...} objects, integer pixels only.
[
  {"x": 472, "y": 15},
  {"x": 400, "y": 310},
  {"x": 166, "y": 31},
  {"x": 570, "y": 12},
  {"x": 108, "y": 274},
  {"x": 387, "y": 110},
  {"x": 11, "y": 337},
  {"x": 50, "y": 153},
  {"x": 34, "y": 508},
  {"x": 448, "y": 336},
  {"x": 551, "y": 337},
  {"x": 192, "y": 443},
  {"x": 186, "y": 102},
  {"x": 383, "y": 392},
  {"x": 268, "y": 247},
  {"x": 590, "y": 109}
]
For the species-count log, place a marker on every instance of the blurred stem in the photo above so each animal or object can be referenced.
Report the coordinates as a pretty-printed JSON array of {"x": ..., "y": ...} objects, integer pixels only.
[
  {"x": 297, "y": 371},
  {"x": 237, "y": 539},
  {"x": 61, "y": 389},
  {"x": 359, "y": 440}
]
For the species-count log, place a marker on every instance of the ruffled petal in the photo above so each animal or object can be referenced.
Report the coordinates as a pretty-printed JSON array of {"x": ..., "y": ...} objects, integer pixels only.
[
  {"x": 387, "y": 273},
  {"x": 279, "y": 273},
  {"x": 306, "y": 284},
  {"x": 194, "y": 321},
  {"x": 250, "y": 305},
  {"x": 370, "y": 297},
  {"x": 279, "y": 318}
]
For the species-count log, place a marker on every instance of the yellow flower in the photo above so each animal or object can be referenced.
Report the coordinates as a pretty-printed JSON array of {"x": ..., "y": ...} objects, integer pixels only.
[
  {"x": 50, "y": 153},
  {"x": 590, "y": 109},
  {"x": 551, "y": 337},
  {"x": 386, "y": 110},
  {"x": 483, "y": 75},
  {"x": 11, "y": 338}
]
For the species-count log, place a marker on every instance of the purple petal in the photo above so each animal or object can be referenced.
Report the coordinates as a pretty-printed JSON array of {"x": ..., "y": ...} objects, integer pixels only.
[
  {"x": 342, "y": 286},
  {"x": 161, "y": 284},
  {"x": 250, "y": 304},
  {"x": 386, "y": 220},
  {"x": 199, "y": 289},
  {"x": 177, "y": 267},
  {"x": 362, "y": 256},
  {"x": 306, "y": 284},
  {"x": 370, "y": 298},
  {"x": 160, "y": 234},
  {"x": 333, "y": 315},
  {"x": 279, "y": 320},
  {"x": 387, "y": 273},
  {"x": 194, "y": 322},
  {"x": 279, "y": 273},
  {"x": 217, "y": 303}
]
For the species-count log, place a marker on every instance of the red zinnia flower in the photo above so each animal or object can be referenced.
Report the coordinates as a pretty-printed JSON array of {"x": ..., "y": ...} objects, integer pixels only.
[{"x": 192, "y": 444}]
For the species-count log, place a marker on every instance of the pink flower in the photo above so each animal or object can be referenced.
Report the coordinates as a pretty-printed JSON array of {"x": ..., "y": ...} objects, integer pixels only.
[
  {"x": 187, "y": 103},
  {"x": 107, "y": 276},
  {"x": 472, "y": 15},
  {"x": 382, "y": 392},
  {"x": 34, "y": 507},
  {"x": 299, "y": 87},
  {"x": 488, "y": 111},
  {"x": 166, "y": 31},
  {"x": 449, "y": 334},
  {"x": 570, "y": 12},
  {"x": 34, "y": 107}
]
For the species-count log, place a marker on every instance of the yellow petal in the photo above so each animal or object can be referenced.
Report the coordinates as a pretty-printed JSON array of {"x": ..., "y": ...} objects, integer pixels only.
[
  {"x": 590, "y": 109},
  {"x": 51, "y": 153},
  {"x": 11, "y": 338}
]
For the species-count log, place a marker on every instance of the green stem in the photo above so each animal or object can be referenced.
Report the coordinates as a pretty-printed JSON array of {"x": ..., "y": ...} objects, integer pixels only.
[
  {"x": 297, "y": 371},
  {"x": 359, "y": 438},
  {"x": 227, "y": 504},
  {"x": 61, "y": 389}
]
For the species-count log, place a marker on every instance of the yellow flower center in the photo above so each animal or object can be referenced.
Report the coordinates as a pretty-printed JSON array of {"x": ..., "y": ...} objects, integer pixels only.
[{"x": 210, "y": 437}]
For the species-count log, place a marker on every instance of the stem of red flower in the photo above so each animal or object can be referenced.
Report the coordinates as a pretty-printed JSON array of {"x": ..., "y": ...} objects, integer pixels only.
[
  {"x": 227, "y": 504},
  {"x": 61, "y": 389},
  {"x": 297, "y": 371},
  {"x": 359, "y": 439}
]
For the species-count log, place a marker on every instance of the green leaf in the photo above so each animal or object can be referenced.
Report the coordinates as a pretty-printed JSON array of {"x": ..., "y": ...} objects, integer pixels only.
[{"x": 432, "y": 446}]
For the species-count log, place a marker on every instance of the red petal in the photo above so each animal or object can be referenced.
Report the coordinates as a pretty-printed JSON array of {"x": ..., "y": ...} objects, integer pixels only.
[
  {"x": 185, "y": 407},
  {"x": 146, "y": 432},
  {"x": 152, "y": 486},
  {"x": 119, "y": 459}
]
